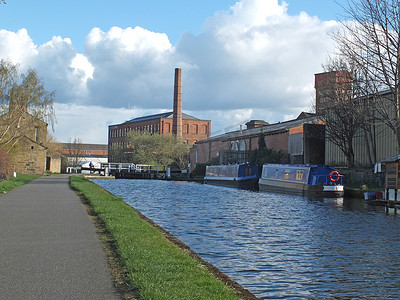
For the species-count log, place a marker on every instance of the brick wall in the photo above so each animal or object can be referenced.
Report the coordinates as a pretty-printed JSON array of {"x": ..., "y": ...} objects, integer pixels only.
[{"x": 192, "y": 130}]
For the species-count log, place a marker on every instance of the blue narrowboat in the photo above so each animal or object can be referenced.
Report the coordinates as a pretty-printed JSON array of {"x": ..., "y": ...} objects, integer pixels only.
[
  {"x": 312, "y": 180},
  {"x": 243, "y": 176}
]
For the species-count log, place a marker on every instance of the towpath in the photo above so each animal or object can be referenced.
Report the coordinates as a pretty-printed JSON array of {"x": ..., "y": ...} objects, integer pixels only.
[{"x": 49, "y": 248}]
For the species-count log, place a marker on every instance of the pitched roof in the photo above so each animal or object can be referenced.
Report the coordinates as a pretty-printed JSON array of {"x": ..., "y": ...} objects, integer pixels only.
[
  {"x": 267, "y": 129},
  {"x": 166, "y": 115}
]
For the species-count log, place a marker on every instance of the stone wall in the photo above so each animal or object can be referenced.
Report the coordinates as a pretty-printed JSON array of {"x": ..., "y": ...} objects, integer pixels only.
[{"x": 30, "y": 158}]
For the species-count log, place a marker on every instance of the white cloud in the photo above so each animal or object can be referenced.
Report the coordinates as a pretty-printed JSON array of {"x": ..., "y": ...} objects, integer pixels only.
[
  {"x": 131, "y": 67},
  {"x": 83, "y": 68},
  {"x": 253, "y": 61},
  {"x": 262, "y": 64},
  {"x": 89, "y": 123},
  {"x": 17, "y": 47}
]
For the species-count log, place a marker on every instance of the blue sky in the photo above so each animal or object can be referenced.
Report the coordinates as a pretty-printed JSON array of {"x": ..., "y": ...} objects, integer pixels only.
[
  {"x": 114, "y": 60},
  {"x": 74, "y": 19}
]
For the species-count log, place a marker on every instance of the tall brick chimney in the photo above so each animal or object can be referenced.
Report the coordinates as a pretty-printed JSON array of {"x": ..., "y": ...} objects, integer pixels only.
[
  {"x": 177, "y": 116},
  {"x": 328, "y": 85}
]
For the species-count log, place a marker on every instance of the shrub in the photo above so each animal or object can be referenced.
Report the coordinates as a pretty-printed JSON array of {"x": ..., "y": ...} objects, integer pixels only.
[{"x": 4, "y": 165}]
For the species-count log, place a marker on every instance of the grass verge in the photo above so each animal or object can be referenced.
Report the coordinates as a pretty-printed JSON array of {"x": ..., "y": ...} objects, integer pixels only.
[
  {"x": 14, "y": 182},
  {"x": 155, "y": 267}
]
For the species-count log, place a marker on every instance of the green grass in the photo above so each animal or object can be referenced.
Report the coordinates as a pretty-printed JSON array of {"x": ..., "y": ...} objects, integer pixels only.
[
  {"x": 156, "y": 268},
  {"x": 14, "y": 182}
]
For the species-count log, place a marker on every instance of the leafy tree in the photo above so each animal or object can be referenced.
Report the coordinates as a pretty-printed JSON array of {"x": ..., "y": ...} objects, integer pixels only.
[
  {"x": 24, "y": 100},
  {"x": 157, "y": 149},
  {"x": 118, "y": 154}
]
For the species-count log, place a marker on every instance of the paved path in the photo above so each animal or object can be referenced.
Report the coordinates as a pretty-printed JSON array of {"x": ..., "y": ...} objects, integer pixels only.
[{"x": 49, "y": 248}]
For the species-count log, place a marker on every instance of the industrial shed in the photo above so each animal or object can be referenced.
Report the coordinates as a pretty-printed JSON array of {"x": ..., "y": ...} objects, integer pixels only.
[{"x": 301, "y": 139}]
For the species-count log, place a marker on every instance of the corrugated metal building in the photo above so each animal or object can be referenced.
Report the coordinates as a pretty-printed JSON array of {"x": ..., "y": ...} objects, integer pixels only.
[
  {"x": 365, "y": 155},
  {"x": 386, "y": 146}
]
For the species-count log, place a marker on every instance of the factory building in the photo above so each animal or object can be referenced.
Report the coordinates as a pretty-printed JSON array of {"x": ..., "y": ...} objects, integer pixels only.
[{"x": 189, "y": 128}]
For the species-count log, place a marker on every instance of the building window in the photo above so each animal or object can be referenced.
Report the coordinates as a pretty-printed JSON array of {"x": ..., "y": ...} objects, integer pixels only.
[
  {"x": 195, "y": 129},
  {"x": 204, "y": 129},
  {"x": 37, "y": 134}
]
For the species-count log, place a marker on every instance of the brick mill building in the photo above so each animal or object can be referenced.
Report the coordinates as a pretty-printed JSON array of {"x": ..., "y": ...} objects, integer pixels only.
[
  {"x": 191, "y": 129},
  {"x": 301, "y": 140}
]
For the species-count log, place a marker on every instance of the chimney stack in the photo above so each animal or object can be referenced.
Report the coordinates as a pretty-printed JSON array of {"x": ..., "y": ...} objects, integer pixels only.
[{"x": 177, "y": 113}]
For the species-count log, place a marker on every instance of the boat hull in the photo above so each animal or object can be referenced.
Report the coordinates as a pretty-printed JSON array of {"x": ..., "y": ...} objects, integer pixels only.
[
  {"x": 329, "y": 191},
  {"x": 242, "y": 176},
  {"x": 246, "y": 184}
]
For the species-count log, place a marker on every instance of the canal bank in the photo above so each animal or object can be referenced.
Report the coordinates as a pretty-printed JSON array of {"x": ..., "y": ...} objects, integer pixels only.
[
  {"x": 277, "y": 245},
  {"x": 156, "y": 269}
]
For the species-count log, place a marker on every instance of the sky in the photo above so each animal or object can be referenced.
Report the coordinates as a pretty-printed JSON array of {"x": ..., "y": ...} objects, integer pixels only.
[{"x": 112, "y": 61}]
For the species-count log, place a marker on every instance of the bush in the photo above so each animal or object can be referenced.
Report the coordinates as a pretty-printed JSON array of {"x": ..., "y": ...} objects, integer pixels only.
[
  {"x": 4, "y": 165},
  {"x": 200, "y": 170}
]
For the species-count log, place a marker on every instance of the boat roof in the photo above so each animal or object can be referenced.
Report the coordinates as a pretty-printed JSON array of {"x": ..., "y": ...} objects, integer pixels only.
[{"x": 295, "y": 166}]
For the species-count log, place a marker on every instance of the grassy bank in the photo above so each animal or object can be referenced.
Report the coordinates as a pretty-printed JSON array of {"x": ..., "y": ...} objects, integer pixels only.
[
  {"x": 155, "y": 267},
  {"x": 14, "y": 182}
]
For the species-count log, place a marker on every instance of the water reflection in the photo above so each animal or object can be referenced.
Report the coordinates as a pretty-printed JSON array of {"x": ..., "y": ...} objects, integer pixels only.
[{"x": 276, "y": 245}]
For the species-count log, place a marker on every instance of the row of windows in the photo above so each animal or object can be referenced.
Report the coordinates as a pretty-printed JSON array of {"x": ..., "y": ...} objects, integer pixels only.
[
  {"x": 195, "y": 129},
  {"x": 155, "y": 128},
  {"x": 122, "y": 132}
]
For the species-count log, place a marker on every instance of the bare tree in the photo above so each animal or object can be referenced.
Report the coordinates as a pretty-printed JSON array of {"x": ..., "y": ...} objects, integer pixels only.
[
  {"x": 75, "y": 151},
  {"x": 340, "y": 103},
  {"x": 371, "y": 42},
  {"x": 24, "y": 101}
]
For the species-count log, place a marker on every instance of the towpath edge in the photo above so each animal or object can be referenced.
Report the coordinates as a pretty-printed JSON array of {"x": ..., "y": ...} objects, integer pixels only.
[{"x": 49, "y": 248}]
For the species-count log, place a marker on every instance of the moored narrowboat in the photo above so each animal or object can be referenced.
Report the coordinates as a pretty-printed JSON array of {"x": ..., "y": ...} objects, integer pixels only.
[
  {"x": 243, "y": 176},
  {"x": 310, "y": 180}
]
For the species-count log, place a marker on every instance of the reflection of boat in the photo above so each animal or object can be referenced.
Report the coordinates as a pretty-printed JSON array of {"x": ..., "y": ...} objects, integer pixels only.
[
  {"x": 313, "y": 180},
  {"x": 244, "y": 176}
]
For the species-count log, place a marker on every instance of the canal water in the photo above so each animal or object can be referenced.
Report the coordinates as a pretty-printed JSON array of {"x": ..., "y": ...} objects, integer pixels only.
[{"x": 278, "y": 246}]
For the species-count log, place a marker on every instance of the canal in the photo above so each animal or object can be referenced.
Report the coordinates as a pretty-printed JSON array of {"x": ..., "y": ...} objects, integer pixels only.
[{"x": 278, "y": 246}]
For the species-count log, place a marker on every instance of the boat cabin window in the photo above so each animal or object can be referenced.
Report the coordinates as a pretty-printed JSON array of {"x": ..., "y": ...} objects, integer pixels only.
[
  {"x": 248, "y": 171},
  {"x": 299, "y": 175},
  {"x": 287, "y": 172}
]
